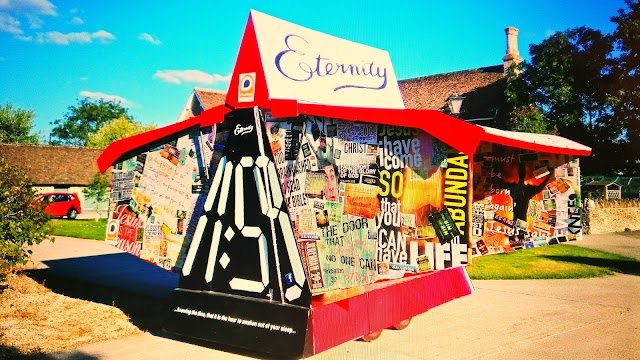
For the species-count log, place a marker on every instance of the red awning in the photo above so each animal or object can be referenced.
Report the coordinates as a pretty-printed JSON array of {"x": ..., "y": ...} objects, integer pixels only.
[
  {"x": 536, "y": 142},
  {"x": 118, "y": 148},
  {"x": 459, "y": 134}
]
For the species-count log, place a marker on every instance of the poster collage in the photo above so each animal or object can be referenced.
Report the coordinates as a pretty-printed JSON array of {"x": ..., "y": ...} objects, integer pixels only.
[
  {"x": 151, "y": 202},
  {"x": 523, "y": 199},
  {"x": 360, "y": 196},
  {"x": 366, "y": 202}
]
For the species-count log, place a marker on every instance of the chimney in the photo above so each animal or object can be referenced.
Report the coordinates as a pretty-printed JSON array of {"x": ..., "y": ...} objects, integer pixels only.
[{"x": 513, "y": 55}]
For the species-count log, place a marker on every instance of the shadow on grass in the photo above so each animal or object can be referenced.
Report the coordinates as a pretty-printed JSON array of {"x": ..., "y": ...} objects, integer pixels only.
[
  {"x": 11, "y": 353},
  {"x": 630, "y": 266},
  {"x": 122, "y": 280},
  {"x": 145, "y": 312}
]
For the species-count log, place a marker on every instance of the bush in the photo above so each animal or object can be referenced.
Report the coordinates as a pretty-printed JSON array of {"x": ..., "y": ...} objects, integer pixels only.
[
  {"x": 98, "y": 190},
  {"x": 21, "y": 221}
]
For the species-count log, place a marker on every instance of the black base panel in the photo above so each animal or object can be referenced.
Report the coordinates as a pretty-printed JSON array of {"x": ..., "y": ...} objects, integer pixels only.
[{"x": 241, "y": 322}]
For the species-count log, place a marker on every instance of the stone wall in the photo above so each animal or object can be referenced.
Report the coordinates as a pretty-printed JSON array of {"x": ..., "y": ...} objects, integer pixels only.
[{"x": 611, "y": 216}]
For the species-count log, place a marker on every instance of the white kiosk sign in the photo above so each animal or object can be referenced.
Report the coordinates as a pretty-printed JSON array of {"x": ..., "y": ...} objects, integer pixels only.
[{"x": 313, "y": 67}]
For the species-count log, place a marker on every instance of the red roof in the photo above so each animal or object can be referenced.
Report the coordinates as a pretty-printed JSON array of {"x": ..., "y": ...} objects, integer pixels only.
[
  {"x": 460, "y": 135},
  {"x": 116, "y": 150},
  {"x": 538, "y": 142}
]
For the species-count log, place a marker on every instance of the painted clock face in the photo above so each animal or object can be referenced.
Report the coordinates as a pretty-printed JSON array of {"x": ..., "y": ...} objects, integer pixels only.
[{"x": 243, "y": 242}]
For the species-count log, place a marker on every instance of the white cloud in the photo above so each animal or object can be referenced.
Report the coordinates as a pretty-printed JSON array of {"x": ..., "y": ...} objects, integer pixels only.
[
  {"x": 549, "y": 32},
  {"x": 9, "y": 24},
  {"x": 149, "y": 38},
  {"x": 103, "y": 36},
  {"x": 84, "y": 78},
  {"x": 24, "y": 38},
  {"x": 189, "y": 76},
  {"x": 31, "y": 10},
  {"x": 34, "y": 21},
  {"x": 41, "y": 7},
  {"x": 106, "y": 97},
  {"x": 220, "y": 78},
  {"x": 77, "y": 21},
  {"x": 2, "y": 59},
  {"x": 59, "y": 38}
]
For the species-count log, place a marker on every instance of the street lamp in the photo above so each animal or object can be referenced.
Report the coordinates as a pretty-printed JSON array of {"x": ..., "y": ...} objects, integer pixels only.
[{"x": 455, "y": 103}]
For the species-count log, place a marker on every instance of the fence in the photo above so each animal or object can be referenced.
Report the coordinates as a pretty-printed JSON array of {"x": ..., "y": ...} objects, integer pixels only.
[{"x": 605, "y": 216}]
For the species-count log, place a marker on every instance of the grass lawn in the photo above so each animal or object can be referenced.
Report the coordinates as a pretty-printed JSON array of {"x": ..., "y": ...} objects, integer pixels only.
[
  {"x": 548, "y": 262},
  {"x": 84, "y": 229},
  {"x": 551, "y": 262}
]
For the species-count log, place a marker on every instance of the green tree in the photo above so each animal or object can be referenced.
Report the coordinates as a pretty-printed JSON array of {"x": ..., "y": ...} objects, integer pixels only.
[
  {"x": 84, "y": 119},
  {"x": 16, "y": 125},
  {"x": 98, "y": 190},
  {"x": 586, "y": 85},
  {"x": 22, "y": 222},
  {"x": 116, "y": 129},
  {"x": 566, "y": 87},
  {"x": 530, "y": 119},
  {"x": 626, "y": 95},
  {"x": 523, "y": 114}
]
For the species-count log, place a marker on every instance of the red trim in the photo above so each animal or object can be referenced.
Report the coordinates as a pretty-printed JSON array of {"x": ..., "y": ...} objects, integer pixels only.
[
  {"x": 248, "y": 61},
  {"x": 381, "y": 305},
  {"x": 459, "y": 134},
  {"x": 120, "y": 147},
  {"x": 282, "y": 108},
  {"x": 523, "y": 144},
  {"x": 213, "y": 116}
]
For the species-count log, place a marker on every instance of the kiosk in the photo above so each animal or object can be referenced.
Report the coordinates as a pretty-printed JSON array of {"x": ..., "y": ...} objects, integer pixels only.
[{"x": 312, "y": 208}]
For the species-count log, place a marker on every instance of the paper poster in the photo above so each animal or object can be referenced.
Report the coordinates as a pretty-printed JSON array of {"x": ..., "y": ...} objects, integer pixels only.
[
  {"x": 528, "y": 200},
  {"x": 367, "y": 192},
  {"x": 152, "y": 199}
]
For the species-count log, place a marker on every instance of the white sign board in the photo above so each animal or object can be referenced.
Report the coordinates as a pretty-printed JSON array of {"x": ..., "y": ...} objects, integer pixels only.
[{"x": 313, "y": 67}]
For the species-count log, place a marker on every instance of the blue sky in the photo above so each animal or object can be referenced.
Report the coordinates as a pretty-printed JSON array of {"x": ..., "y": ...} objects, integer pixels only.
[{"x": 150, "y": 54}]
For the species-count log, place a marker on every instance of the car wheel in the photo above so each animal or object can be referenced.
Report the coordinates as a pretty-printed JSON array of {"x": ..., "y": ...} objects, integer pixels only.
[
  {"x": 402, "y": 324},
  {"x": 72, "y": 214},
  {"x": 372, "y": 336}
]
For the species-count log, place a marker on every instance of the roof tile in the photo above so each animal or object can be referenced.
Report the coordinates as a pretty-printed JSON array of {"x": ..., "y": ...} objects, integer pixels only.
[
  {"x": 482, "y": 88},
  {"x": 53, "y": 165},
  {"x": 210, "y": 98}
]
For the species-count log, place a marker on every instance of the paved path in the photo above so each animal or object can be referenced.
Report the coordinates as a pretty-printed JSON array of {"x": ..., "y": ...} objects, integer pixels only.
[
  {"x": 533, "y": 319},
  {"x": 624, "y": 243}
]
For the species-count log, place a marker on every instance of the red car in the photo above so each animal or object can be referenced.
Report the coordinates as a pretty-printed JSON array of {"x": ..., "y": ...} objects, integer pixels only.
[{"x": 61, "y": 204}]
